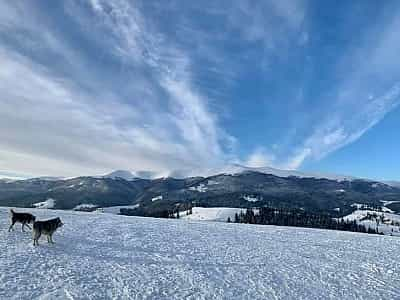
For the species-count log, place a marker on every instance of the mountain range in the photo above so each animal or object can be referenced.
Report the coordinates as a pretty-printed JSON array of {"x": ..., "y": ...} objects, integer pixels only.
[{"x": 232, "y": 186}]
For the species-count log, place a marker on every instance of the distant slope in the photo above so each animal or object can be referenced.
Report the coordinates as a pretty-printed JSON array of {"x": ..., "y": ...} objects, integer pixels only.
[
  {"x": 215, "y": 214},
  {"x": 383, "y": 222},
  {"x": 393, "y": 183},
  {"x": 97, "y": 256}
]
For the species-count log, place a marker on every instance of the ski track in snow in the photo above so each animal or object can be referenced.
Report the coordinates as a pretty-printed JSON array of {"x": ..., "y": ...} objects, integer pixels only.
[{"x": 104, "y": 256}]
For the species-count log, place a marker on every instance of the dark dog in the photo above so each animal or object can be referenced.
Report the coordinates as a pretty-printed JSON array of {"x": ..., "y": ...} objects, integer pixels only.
[
  {"x": 47, "y": 228},
  {"x": 23, "y": 218}
]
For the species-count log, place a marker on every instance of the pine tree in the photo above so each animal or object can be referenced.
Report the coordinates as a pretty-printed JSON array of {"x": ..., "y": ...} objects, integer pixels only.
[{"x": 237, "y": 218}]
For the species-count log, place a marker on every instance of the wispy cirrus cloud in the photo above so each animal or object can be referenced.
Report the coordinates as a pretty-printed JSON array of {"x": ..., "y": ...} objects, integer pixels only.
[
  {"x": 64, "y": 120},
  {"x": 369, "y": 90}
]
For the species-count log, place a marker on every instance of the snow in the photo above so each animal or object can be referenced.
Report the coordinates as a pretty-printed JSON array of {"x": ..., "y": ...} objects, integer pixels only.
[
  {"x": 49, "y": 203},
  {"x": 157, "y": 198},
  {"x": 201, "y": 188},
  {"x": 360, "y": 206},
  {"x": 361, "y": 216},
  {"x": 85, "y": 206},
  {"x": 237, "y": 169},
  {"x": 105, "y": 256},
  {"x": 340, "y": 191},
  {"x": 250, "y": 198},
  {"x": 386, "y": 203},
  {"x": 218, "y": 214},
  {"x": 123, "y": 174},
  {"x": 212, "y": 182},
  {"x": 395, "y": 184},
  {"x": 117, "y": 209}
]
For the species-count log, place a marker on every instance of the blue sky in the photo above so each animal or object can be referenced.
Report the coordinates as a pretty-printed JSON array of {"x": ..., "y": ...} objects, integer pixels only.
[{"x": 87, "y": 87}]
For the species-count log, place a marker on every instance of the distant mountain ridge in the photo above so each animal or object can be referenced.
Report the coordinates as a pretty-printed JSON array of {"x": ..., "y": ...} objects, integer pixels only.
[
  {"x": 235, "y": 186},
  {"x": 237, "y": 168}
]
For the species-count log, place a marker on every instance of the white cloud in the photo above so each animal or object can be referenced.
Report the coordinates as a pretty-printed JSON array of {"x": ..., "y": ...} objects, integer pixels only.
[
  {"x": 260, "y": 158},
  {"x": 67, "y": 123}
]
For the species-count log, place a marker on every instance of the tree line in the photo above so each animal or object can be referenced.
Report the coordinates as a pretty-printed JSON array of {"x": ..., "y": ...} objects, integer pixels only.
[{"x": 297, "y": 218}]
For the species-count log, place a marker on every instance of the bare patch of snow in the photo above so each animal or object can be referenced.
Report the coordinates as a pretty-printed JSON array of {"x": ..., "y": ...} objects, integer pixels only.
[
  {"x": 360, "y": 205},
  {"x": 212, "y": 182},
  {"x": 157, "y": 198},
  {"x": 251, "y": 198},
  {"x": 201, "y": 188},
  {"x": 85, "y": 206},
  {"x": 216, "y": 214}
]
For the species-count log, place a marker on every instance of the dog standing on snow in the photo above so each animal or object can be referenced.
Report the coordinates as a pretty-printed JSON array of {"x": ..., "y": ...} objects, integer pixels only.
[
  {"x": 23, "y": 218},
  {"x": 47, "y": 228}
]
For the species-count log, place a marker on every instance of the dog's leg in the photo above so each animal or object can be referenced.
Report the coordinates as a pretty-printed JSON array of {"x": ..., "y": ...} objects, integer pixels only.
[
  {"x": 23, "y": 225},
  {"x": 51, "y": 239},
  {"x": 36, "y": 236},
  {"x": 28, "y": 226},
  {"x": 11, "y": 226}
]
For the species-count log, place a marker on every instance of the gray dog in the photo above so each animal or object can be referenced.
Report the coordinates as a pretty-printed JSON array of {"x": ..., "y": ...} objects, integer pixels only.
[
  {"x": 23, "y": 218},
  {"x": 47, "y": 228}
]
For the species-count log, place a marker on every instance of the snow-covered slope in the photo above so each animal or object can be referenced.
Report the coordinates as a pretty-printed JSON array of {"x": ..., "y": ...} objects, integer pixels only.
[
  {"x": 127, "y": 175},
  {"x": 217, "y": 214},
  {"x": 393, "y": 183},
  {"x": 237, "y": 168},
  {"x": 105, "y": 256},
  {"x": 386, "y": 223}
]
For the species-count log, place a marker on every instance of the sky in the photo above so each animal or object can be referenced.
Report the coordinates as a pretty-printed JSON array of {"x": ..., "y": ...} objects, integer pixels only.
[{"x": 183, "y": 87}]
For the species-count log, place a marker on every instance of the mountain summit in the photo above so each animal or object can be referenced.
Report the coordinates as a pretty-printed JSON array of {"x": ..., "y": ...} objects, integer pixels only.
[{"x": 124, "y": 174}]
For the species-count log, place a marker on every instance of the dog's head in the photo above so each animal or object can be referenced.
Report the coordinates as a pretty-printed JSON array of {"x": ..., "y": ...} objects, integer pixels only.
[
  {"x": 32, "y": 220},
  {"x": 59, "y": 223}
]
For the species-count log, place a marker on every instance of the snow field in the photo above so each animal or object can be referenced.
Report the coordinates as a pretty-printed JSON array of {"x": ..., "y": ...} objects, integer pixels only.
[{"x": 105, "y": 256}]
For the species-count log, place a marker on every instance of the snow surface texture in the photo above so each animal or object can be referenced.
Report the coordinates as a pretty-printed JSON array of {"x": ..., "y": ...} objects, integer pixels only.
[{"x": 105, "y": 256}]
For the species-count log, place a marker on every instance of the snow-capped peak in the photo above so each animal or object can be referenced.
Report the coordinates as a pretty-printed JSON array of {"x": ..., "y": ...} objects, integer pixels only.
[
  {"x": 124, "y": 174},
  {"x": 237, "y": 168}
]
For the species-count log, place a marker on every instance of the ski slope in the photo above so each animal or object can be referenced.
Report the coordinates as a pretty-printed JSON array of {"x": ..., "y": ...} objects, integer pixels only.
[{"x": 106, "y": 256}]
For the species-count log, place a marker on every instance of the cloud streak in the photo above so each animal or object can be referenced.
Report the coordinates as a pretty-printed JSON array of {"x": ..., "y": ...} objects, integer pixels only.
[
  {"x": 55, "y": 124},
  {"x": 369, "y": 91}
]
